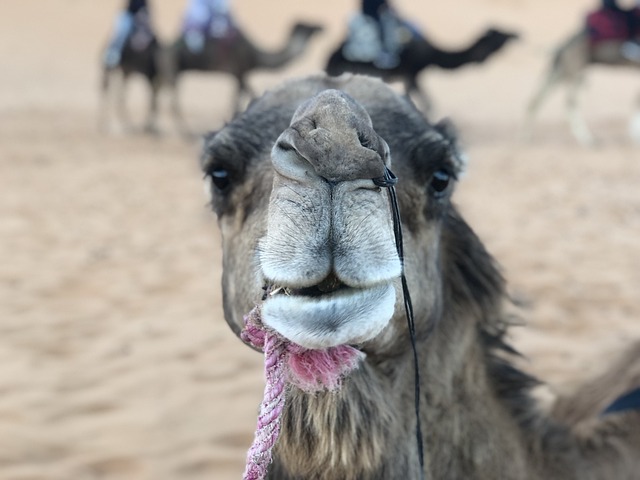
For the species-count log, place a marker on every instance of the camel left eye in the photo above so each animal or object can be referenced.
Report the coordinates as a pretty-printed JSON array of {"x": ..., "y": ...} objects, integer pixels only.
[
  {"x": 220, "y": 178},
  {"x": 440, "y": 182}
]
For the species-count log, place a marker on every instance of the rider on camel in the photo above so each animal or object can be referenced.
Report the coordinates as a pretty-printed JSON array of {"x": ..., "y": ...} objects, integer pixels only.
[
  {"x": 612, "y": 22},
  {"x": 206, "y": 19},
  {"x": 373, "y": 35},
  {"x": 134, "y": 18}
]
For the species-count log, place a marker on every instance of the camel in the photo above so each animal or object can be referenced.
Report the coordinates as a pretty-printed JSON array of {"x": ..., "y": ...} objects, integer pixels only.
[
  {"x": 569, "y": 65},
  {"x": 236, "y": 55},
  {"x": 300, "y": 216},
  {"x": 135, "y": 60},
  {"x": 418, "y": 54}
]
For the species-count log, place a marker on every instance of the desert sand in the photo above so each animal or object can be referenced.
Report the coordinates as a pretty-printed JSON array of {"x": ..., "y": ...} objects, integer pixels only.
[{"x": 115, "y": 360}]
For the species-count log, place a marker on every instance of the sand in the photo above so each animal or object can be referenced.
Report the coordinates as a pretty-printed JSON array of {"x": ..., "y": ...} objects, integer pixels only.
[{"x": 116, "y": 362}]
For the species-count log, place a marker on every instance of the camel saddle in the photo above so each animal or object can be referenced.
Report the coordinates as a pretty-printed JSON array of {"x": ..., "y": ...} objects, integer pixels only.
[{"x": 610, "y": 25}]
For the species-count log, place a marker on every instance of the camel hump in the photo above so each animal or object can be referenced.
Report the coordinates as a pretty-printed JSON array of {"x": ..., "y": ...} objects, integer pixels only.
[{"x": 334, "y": 134}]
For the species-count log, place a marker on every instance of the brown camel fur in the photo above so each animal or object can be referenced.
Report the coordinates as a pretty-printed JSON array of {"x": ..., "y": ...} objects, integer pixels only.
[
  {"x": 291, "y": 186},
  {"x": 236, "y": 55},
  {"x": 569, "y": 65}
]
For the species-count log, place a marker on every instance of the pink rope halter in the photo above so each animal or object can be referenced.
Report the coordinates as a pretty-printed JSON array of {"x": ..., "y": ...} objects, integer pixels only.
[{"x": 287, "y": 362}]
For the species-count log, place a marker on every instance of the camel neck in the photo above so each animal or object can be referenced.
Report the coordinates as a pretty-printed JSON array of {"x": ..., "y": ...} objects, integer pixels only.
[{"x": 293, "y": 48}]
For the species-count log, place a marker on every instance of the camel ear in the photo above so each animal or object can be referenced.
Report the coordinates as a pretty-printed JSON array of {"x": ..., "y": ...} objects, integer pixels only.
[
  {"x": 447, "y": 129},
  {"x": 205, "y": 143},
  {"x": 208, "y": 137}
]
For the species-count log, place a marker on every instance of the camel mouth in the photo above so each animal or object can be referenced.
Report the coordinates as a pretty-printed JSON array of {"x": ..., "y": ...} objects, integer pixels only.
[
  {"x": 329, "y": 285},
  {"x": 328, "y": 315}
]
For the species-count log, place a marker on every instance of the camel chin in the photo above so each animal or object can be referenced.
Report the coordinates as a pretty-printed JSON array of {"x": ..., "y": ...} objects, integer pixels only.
[{"x": 344, "y": 316}]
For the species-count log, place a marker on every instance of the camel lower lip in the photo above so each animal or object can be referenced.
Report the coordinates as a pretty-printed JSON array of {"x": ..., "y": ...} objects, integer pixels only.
[{"x": 346, "y": 316}]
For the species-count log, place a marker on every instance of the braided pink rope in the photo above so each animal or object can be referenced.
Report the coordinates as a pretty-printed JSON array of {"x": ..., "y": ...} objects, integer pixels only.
[{"x": 309, "y": 370}]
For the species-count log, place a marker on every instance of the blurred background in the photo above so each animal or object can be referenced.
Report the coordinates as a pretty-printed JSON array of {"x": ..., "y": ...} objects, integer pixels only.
[{"x": 115, "y": 360}]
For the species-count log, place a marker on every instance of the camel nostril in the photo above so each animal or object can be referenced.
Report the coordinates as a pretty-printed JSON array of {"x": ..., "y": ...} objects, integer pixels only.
[
  {"x": 285, "y": 146},
  {"x": 365, "y": 141}
]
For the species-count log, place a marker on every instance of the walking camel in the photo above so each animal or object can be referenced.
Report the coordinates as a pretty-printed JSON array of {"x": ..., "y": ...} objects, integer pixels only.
[
  {"x": 291, "y": 184},
  {"x": 569, "y": 65},
  {"x": 417, "y": 55},
  {"x": 140, "y": 56},
  {"x": 236, "y": 55}
]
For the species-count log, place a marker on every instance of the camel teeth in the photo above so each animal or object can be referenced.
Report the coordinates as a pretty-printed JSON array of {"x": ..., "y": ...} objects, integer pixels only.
[{"x": 276, "y": 291}]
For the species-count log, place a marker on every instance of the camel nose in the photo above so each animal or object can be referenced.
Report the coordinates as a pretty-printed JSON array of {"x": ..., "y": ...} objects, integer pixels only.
[
  {"x": 331, "y": 136},
  {"x": 325, "y": 212}
]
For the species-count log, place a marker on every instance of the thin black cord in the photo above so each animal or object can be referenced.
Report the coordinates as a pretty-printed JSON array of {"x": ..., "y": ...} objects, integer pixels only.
[{"x": 388, "y": 181}]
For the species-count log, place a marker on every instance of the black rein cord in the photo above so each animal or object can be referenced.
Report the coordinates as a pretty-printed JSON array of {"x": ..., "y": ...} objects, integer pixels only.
[{"x": 389, "y": 181}]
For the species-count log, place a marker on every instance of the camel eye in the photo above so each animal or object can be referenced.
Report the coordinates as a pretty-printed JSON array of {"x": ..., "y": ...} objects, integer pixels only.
[
  {"x": 220, "y": 178},
  {"x": 440, "y": 182}
]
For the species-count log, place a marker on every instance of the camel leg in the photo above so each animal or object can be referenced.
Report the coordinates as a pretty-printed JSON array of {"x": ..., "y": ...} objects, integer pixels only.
[
  {"x": 243, "y": 90},
  {"x": 413, "y": 90},
  {"x": 105, "y": 90},
  {"x": 176, "y": 110},
  {"x": 549, "y": 83},
  {"x": 152, "y": 117},
  {"x": 634, "y": 125},
  {"x": 123, "y": 113},
  {"x": 577, "y": 123}
]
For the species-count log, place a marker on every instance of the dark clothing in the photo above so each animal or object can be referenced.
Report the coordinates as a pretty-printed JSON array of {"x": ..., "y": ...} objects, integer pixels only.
[
  {"x": 611, "y": 5},
  {"x": 629, "y": 401},
  {"x": 611, "y": 22},
  {"x": 373, "y": 8},
  {"x": 134, "y": 6}
]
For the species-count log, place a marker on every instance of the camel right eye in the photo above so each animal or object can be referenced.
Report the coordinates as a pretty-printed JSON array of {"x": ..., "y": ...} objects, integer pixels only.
[
  {"x": 220, "y": 178},
  {"x": 440, "y": 182}
]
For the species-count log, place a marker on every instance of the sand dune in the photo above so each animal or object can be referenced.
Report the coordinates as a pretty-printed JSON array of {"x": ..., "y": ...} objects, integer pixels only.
[{"x": 116, "y": 362}]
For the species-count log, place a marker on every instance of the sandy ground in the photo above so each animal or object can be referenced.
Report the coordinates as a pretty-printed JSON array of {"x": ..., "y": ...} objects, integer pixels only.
[{"x": 115, "y": 361}]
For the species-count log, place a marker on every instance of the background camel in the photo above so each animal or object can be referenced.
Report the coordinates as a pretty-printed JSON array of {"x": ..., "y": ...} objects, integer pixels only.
[
  {"x": 235, "y": 55},
  {"x": 143, "y": 61},
  {"x": 569, "y": 65},
  {"x": 418, "y": 54},
  {"x": 291, "y": 184}
]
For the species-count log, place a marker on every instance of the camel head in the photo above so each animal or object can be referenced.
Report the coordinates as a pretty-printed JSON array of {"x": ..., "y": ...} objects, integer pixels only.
[
  {"x": 491, "y": 41},
  {"x": 306, "y": 30},
  {"x": 302, "y": 219},
  {"x": 308, "y": 238}
]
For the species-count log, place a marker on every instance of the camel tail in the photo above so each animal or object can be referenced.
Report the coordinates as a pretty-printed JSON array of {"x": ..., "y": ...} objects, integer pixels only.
[{"x": 615, "y": 390}]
